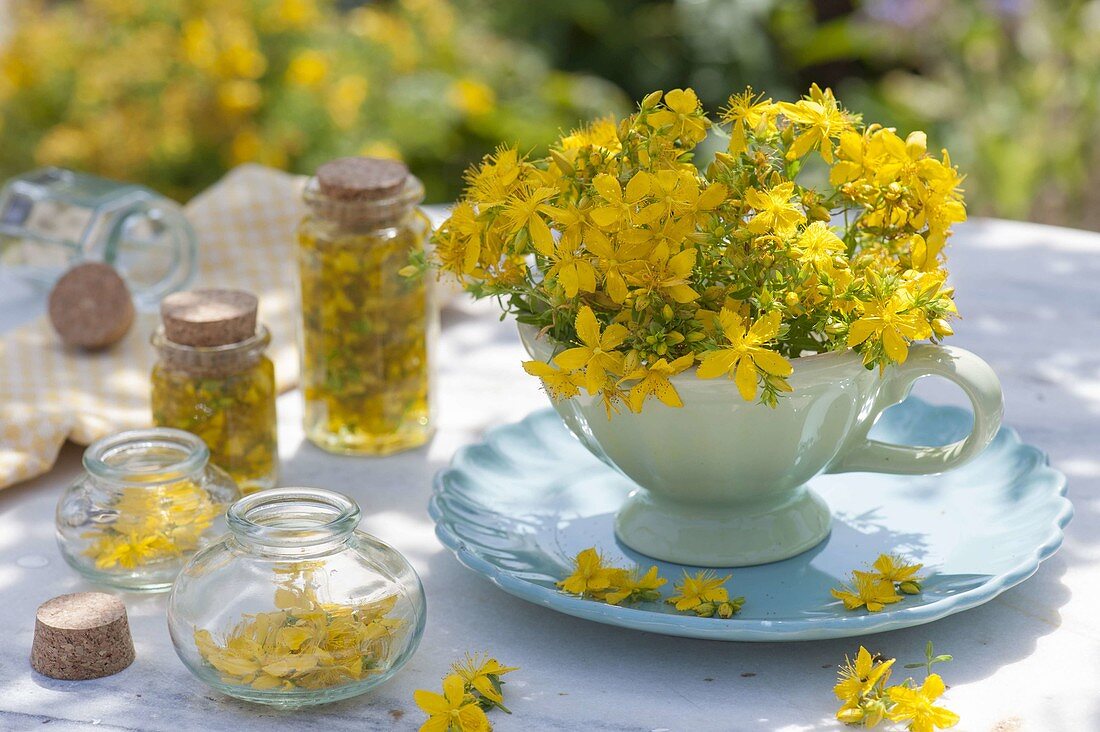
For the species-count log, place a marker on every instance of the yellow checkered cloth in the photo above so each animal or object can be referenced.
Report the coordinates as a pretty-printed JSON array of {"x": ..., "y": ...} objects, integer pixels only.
[{"x": 48, "y": 393}]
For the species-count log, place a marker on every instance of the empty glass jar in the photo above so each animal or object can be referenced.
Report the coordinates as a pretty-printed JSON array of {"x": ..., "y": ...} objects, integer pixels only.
[
  {"x": 148, "y": 501},
  {"x": 295, "y": 606}
]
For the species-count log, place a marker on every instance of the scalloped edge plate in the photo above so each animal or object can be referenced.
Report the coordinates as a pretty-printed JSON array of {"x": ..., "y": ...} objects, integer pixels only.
[{"x": 507, "y": 544}]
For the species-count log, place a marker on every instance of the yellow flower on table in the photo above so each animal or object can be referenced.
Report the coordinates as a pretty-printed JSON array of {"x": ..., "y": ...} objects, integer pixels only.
[
  {"x": 632, "y": 583},
  {"x": 479, "y": 672},
  {"x": 893, "y": 568},
  {"x": 702, "y": 587},
  {"x": 598, "y": 355},
  {"x": 590, "y": 576},
  {"x": 868, "y": 590},
  {"x": 859, "y": 677},
  {"x": 916, "y": 706},
  {"x": 746, "y": 357},
  {"x": 453, "y": 710}
]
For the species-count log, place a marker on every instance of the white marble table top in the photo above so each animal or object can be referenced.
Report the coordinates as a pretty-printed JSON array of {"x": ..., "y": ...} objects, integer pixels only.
[{"x": 1028, "y": 660}]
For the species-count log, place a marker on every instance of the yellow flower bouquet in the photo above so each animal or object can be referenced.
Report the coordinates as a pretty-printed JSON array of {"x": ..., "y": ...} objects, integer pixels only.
[{"x": 811, "y": 232}]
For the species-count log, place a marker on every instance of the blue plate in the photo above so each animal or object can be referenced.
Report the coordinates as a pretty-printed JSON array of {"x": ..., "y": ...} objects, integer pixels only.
[{"x": 517, "y": 507}]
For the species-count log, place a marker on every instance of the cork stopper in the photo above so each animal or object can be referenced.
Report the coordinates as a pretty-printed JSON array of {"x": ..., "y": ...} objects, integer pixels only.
[
  {"x": 208, "y": 318},
  {"x": 84, "y": 635},
  {"x": 362, "y": 179},
  {"x": 90, "y": 306}
]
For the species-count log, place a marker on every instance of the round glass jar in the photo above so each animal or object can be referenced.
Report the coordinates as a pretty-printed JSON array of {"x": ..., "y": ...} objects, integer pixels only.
[
  {"x": 295, "y": 606},
  {"x": 367, "y": 329},
  {"x": 148, "y": 501}
]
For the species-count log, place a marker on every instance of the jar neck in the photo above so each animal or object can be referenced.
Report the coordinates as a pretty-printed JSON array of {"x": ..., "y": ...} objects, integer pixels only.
[
  {"x": 362, "y": 215},
  {"x": 146, "y": 458},
  {"x": 212, "y": 361},
  {"x": 293, "y": 522}
]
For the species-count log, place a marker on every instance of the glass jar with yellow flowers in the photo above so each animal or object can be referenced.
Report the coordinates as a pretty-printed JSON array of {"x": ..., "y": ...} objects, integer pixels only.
[
  {"x": 213, "y": 379},
  {"x": 148, "y": 501},
  {"x": 366, "y": 324},
  {"x": 295, "y": 606}
]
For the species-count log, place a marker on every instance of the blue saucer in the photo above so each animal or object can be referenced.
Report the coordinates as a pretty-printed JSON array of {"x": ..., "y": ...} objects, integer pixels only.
[{"x": 518, "y": 506}]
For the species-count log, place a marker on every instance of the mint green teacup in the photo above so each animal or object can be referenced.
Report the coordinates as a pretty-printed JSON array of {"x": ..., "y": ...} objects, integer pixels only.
[{"x": 722, "y": 481}]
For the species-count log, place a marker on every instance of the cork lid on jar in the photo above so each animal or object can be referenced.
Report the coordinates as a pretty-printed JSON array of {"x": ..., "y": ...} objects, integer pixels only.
[
  {"x": 90, "y": 306},
  {"x": 358, "y": 192},
  {"x": 209, "y": 318},
  {"x": 362, "y": 179}
]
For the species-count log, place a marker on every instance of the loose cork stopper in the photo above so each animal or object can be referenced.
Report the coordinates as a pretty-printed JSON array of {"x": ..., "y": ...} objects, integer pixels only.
[
  {"x": 84, "y": 635},
  {"x": 207, "y": 318},
  {"x": 362, "y": 179},
  {"x": 90, "y": 306}
]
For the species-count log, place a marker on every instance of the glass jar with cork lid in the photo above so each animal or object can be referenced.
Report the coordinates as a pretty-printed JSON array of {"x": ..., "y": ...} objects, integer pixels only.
[
  {"x": 213, "y": 379},
  {"x": 367, "y": 328}
]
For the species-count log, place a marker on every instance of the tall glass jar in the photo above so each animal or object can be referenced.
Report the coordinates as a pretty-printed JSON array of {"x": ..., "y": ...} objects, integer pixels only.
[
  {"x": 295, "y": 606},
  {"x": 212, "y": 378},
  {"x": 148, "y": 501},
  {"x": 366, "y": 327}
]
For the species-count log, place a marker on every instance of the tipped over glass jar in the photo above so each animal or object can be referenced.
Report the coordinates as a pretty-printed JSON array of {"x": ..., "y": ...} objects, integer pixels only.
[
  {"x": 148, "y": 501},
  {"x": 295, "y": 606}
]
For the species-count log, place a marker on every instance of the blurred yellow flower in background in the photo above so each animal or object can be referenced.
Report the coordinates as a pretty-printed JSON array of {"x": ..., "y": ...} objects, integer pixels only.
[{"x": 172, "y": 93}]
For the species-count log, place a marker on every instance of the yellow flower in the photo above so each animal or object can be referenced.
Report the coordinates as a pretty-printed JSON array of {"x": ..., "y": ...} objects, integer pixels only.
[
  {"x": 633, "y": 585},
  {"x": 483, "y": 674},
  {"x": 453, "y": 710},
  {"x": 667, "y": 276},
  {"x": 867, "y": 590},
  {"x": 893, "y": 323},
  {"x": 524, "y": 212},
  {"x": 589, "y": 574},
  {"x": 746, "y": 356},
  {"x": 695, "y": 590},
  {"x": 308, "y": 68},
  {"x": 618, "y": 207},
  {"x": 895, "y": 569},
  {"x": 597, "y": 355},
  {"x": 559, "y": 384},
  {"x": 654, "y": 379},
  {"x": 682, "y": 115},
  {"x": 861, "y": 677},
  {"x": 817, "y": 246},
  {"x": 916, "y": 707},
  {"x": 776, "y": 212},
  {"x": 820, "y": 119},
  {"x": 473, "y": 97},
  {"x": 747, "y": 112},
  {"x": 570, "y": 269},
  {"x": 616, "y": 260}
]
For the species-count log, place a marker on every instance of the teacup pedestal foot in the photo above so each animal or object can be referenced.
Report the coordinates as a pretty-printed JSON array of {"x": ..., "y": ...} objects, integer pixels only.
[{"x": 709, "y": 535}]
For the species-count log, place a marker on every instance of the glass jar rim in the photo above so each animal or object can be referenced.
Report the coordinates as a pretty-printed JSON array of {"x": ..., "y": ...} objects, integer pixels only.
[
  {"x": 194, "y": 454},
  {"x": 260, "y": 339},
  {"x": 293, "y": 517}
]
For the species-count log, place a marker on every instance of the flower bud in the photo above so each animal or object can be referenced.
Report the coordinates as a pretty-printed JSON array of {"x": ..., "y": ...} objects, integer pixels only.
[
  {"x": 726, "y": 610},
  {"x": 791, "y": 298},
  {"x": 650, "y": 101},
  {"x": 910, "y": 587},
  {"x": 942, "y": 328},
  {"x": 667, "y": 312},
  {"x": 696, "y": 336},
  {"x": 819, "y": 213},
  {"x": 705, "y": 610}
]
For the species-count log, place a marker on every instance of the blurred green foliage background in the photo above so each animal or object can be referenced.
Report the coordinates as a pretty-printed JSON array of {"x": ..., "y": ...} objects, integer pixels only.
[{"x": 173, "y": 92}]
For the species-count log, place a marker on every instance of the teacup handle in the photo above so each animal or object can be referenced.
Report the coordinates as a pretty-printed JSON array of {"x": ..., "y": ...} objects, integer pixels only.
[{"x": 977, "y": 381}]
